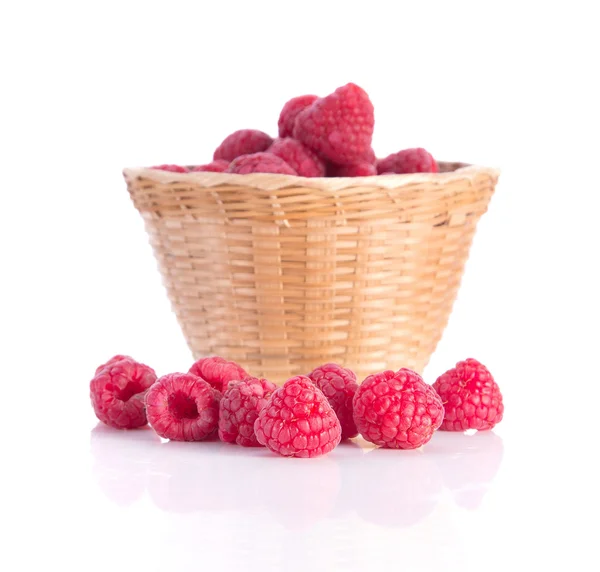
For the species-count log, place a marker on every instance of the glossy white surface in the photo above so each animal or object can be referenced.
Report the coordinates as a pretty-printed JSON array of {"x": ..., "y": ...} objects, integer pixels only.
[{"x": 110, "y": 500}]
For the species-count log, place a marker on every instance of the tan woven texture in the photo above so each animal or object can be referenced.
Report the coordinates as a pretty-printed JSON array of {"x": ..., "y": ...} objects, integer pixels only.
[{"x": 283, "y": 273}]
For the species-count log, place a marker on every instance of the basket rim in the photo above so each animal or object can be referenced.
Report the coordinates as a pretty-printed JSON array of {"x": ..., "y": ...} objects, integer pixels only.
[{"x": 270, "y": 181}]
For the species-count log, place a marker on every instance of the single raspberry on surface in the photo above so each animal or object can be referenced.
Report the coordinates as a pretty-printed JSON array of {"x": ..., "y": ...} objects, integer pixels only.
[
  {"x": 183, "y": 407},
  {"x": 338, "y": 384},
  {"x": 408, "y": 161},
  {"x": 242, "y": 142},
  {"x": 117, "y": 392},
  {"x": 171, "y": 168},
  {"x": 397, "y": 410},
  {"x": 299, "y": 157},
  {"x": 218, "y": 372},
  {"x": 240, "y": 407},
  {"x": 287, "y": 117},
  {"x": 339, "y": 127},
  {"x": 260, "y": 163},
  {"x": 471, "y": 397},
  {"x": 218, "y": 166},
  {"x": 363, "y": 169},
  {"x": 298, "y": 421},
  {"x": 112, "y": 361}
]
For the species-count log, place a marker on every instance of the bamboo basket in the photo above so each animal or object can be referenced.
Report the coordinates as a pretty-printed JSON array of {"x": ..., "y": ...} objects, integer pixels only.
[{"x": 283, "y": 273}]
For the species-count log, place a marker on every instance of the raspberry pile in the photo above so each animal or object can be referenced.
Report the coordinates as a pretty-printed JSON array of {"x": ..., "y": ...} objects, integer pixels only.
[
  {"x": 307, "y": 416},
  {"x": 317, "y": 137}
]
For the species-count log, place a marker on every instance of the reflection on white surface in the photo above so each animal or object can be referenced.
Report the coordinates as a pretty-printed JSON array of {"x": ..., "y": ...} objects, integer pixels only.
[
  {"x": 121, "y": 462},
  {"x": 383, "y": 487},
  {"x": 125, "y": 500},
  {"x": 468, "y": 464},
  {"x": 247, "y": 509}
]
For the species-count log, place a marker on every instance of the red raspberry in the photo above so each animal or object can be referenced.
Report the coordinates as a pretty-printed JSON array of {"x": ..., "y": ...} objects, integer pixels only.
[
  {"x": 371, "y": 157},
  {"x": 408, "y": 161},
  {"x": 218, "y": 166},
  {"x": 363, "y": 169},
  {"x": 260, "y": 163},
  {"x": 339, "y": 127},
  {"x": 471, "y": 397},
  {"x": 242, "y": 142},
  {"x": 218, "y": 372},
  {"x": 171, "y": 168},
  {"x": 298, "y": 421},
  {"x": 183, "y": 407},
  {"x": 112, "y": 361},
  {"x": 117, "y": 392},
  {"x": 397, "y": 410},
  {"x": 339, "y": 385},
  {"x": 239, "y": 409},
  {"x": 287, "y": 117},
  {"x": 299, "y": 157}
]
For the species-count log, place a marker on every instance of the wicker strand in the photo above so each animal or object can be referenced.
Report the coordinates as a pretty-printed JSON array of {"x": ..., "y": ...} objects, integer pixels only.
[{"x": 283, "y": 273}]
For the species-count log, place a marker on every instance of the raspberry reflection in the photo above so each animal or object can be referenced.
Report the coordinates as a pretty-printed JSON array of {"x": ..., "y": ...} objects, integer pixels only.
[
  {"x": 468, "y": 464},
  {"x": 121, "y": 461}
]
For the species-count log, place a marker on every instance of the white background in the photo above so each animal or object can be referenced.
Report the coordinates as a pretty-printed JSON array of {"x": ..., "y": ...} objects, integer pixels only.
[{"x": 90, "y": 88}]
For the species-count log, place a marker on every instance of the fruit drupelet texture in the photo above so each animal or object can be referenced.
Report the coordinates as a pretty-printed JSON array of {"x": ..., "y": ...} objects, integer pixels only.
[
  {"x": 239, "y": 408},
  {"x": 218, "y": 372},
  {"x": 298, "y": 421},
  {"x": 183, "y": 407},
  {"x": 471, "y": 397},
  {"x": 339, "y": 127},
  {"x": 338, "y": 384},
  {"x": 397, "y": 410},
  {"x": 242, "y": 142},
  {"x": 117, "y": 391}
]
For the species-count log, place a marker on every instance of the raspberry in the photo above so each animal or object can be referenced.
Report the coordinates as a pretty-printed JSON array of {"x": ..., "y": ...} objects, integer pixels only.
[
  {"x": 117, "y": 392},
  {"x": 471, "y": 397},
  {"x": 298, "y": 421},
  {"x": 260, "y": 163},
  {"x": 397, "y": 410},
  {"x": 218, "y": 166},
  {"x": 239, "y": 409},
  {"x": 287, "y": 117},
  {"x": 218, "y": 372},
  {"x": 408, "y": 161},
  {"x": 183, "y": 407},
  {"x": 363, "y": 169},
  {"x": 242, "y": 142},
  {"x": 371, "y": 157},
  {"x": 112, "y": 361},
  {"x": 299, "y": 157},
  {"x": 171, "y": 168},
  {"x": 339, "y": 385},
  {"x": 338, "y": 127}
]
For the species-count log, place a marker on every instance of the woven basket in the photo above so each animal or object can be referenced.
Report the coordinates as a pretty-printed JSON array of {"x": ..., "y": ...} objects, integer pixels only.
[{"x": 283, "y": 273}]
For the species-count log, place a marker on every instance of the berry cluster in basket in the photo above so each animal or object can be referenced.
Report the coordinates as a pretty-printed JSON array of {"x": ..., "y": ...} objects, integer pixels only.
[
  {"x": 318, "y": 137},
  {"x": 307, "y": 416}
]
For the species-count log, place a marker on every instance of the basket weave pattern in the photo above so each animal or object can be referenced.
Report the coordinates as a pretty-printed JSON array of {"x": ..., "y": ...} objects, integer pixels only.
[{"x": 284, "y": 273}]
